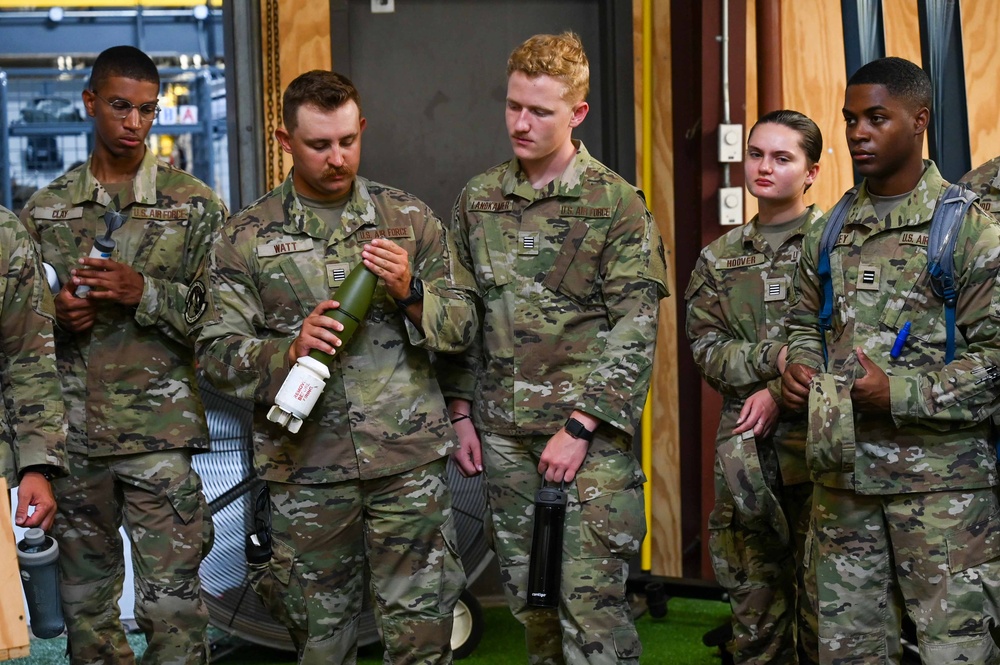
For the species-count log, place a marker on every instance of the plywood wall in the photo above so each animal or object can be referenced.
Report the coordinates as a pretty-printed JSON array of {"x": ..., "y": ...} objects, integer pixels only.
[
  {"x": 981, "y": 39},
  {"x": 664, "y": 481},
  {"x": 13, "y": 625},
  {"x": 902, "y": 36},
  {"x": 814, "y": 76},
  {"x": 301, "y": 43},
  {"x": 811, "y": 39},
  {"x": 813, "y": 82}
]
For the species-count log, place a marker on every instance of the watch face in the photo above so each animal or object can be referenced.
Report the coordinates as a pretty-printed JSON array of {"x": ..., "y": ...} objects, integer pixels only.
[{"x": 578, "y": 430}]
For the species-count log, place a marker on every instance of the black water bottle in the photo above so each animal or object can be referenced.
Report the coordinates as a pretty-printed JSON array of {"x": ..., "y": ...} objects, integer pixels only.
[
  {"x": 545, "y": 567},
  {"x": 38, "y": 559}
]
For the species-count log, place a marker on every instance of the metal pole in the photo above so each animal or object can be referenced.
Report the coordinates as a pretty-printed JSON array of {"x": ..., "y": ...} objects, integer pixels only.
[
  {"x": 204, "y": 158},
  {"x": 6, "y": 194},
  {"x": 244, "y": 102}
]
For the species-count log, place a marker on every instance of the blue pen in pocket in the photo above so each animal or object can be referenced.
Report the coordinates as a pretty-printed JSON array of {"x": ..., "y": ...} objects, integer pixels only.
[{"x": 897, "y": 346}]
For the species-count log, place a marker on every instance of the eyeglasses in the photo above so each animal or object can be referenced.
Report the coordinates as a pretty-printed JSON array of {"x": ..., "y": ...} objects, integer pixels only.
[{"x": 121, "y": 108}]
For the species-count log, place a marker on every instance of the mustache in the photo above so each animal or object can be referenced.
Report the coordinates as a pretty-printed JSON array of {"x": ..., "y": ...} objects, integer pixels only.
[{"x": 327, "y": 173}]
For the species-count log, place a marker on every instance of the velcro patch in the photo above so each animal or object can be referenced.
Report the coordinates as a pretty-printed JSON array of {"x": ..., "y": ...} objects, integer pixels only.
[
  {"x": 584, "y": 211},
  {"x": 527, "y": 242},
  {"x": 740, "y": 262},
  {"x": 195, "y": 303},
  {"x": 914, "y": 238},
  {"x": 284, "y": 247},
  {"x": 390, "y": 233},
  {"x": 58, "y": 213},
  {"x": 149, "y": 212},
  {"x": 491, "y": 206},
  {"x": 336, "y": 273},
  {"x": 869, "y": 277},
  {"x": 844, "y": 239},
  {"x": 775, "y": 289}
]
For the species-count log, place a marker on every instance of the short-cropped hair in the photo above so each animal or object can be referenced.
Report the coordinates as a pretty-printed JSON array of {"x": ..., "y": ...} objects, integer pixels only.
[
  {"x": 325, "y": 90},
  {"x": 124, "y": 61},
  {"x": 902, "y": 78}
]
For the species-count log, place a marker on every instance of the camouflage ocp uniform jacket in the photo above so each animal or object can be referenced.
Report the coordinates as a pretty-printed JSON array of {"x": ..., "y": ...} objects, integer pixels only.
[
  {"x": 129, "y": 382},
  {"x": 740, "y": 294},
  {"x": 381, "y": 412},
  {"x": 937, "y": 435},
  {"x": 34, "y": 430},
  {"x": 571, "y": 278},
  {"x": 985, "y": 181}
]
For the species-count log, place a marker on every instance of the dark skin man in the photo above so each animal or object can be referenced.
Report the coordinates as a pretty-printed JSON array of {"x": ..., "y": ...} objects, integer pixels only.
[{"x": 885, "y": 135}]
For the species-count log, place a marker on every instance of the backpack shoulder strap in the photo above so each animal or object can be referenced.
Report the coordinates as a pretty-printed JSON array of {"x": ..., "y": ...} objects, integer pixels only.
[
  {"x": 948, "y": 216},
  {"x": 831, "y": 231}
]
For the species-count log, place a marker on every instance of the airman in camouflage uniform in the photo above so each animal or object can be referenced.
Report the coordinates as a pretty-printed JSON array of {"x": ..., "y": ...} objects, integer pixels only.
[
  {"x": 570, "y": 269},
  {"x": 741, "y": 290},
  {"x": 740, "y": 293},
  {"x": 362, "y": 486},
  {"x": 34, "y": 431},
  {"x": 905, "y": 510},
  {"x": 985, "y": 181},
  {"x": 126, "y": 363}
]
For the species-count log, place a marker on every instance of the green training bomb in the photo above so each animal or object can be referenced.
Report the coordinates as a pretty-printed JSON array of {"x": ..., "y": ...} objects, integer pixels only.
[{"x": 304, "y": 383}]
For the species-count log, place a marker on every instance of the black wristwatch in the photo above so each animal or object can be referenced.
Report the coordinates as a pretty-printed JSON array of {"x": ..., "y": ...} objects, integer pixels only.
[
  {"x": 416, "y": 294},
  {"x": 577, "y": 430}
]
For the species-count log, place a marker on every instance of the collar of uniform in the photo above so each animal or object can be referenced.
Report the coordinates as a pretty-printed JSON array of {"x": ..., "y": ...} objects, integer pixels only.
[
  {"x": 88, "y": 188},
  {"x": 359, "y": 212},
  {"x": 753, "y": 238},
  {"x": 568, "y": 184},
  {"x": 753, "y": 235},
  {"x": 916, "y": 210}
]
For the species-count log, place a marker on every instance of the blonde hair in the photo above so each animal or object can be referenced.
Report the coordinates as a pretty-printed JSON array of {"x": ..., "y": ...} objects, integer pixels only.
[{"x": 559, "y": 56}]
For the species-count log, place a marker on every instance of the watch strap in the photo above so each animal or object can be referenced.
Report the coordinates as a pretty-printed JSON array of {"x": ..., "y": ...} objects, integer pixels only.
[
  {"x": 415, "y": 296},
  {"x": 578, "y": 430}
]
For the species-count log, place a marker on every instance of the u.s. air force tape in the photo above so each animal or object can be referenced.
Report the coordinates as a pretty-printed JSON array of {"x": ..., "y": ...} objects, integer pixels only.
[{"x": 196, "y": 303}]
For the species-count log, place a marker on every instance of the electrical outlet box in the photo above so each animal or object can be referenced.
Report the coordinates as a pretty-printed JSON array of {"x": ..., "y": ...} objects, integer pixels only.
[
  {"x": 383, "y": 6},
  {"x": 731, "y": 206},
  {"x": 730, "y": 143}
]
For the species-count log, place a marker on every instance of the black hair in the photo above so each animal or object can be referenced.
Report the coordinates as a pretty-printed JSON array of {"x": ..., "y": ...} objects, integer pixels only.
[
  {"x": 124, "y": 61},
  {"x": 902, "y": 78}
]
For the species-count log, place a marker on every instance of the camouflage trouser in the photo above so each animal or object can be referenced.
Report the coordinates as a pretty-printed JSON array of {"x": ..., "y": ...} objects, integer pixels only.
[
  {"x": 774, "y": 620},
  {"x": 593, "y": 623},
  {"x": 936, "y": 554},
  {"x": 402, "y": 526},
  {"x": 158, "y": 498}
]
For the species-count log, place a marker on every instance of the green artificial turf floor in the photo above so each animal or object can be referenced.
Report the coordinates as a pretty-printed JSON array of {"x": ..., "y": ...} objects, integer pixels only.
[{"x": 672, "y": 640}]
